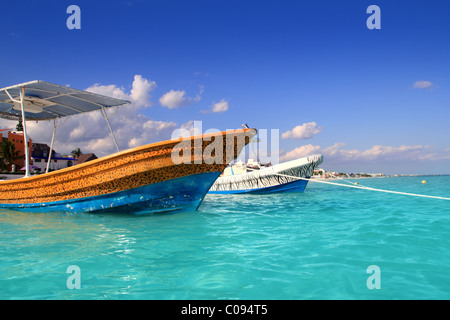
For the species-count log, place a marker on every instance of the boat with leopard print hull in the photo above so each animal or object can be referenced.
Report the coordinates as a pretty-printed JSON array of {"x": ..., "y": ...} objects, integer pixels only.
[{"x": 172, "y": 175}]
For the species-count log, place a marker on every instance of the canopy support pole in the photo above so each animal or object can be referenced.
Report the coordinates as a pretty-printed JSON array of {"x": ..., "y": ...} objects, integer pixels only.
[
  {"x": 51, "y": 146},
  {"x": 109, "y": 126},
  {"x": 25, "y": 136}
]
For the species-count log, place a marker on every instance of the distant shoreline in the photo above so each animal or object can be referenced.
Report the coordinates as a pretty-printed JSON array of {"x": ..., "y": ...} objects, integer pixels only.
[
  {"x": 419, "y": 175},
  {"x": 378, "y": 177}
]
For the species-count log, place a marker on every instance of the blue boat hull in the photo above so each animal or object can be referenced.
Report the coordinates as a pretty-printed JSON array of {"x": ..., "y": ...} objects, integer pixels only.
[
  {"x": 294, "y": 186},
  {"x": 175, "y": 195}
]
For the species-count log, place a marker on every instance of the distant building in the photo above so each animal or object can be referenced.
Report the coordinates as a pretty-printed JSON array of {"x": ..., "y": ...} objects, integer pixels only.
[
  {"x": 85, "y": 157},
  {"x": 41, "y": 150},
  {"x": 39, "y": 154},
  {"x": 40, "y": 158},
  {"x": 17, "y": 138},
  {"x": 319, "y": 172}
]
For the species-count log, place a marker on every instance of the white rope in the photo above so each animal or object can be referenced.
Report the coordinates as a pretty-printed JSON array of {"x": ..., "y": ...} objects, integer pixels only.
[{"x": 364, "y": 188}]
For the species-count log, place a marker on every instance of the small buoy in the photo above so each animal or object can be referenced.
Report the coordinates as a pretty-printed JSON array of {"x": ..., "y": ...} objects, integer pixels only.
[{"x": 424, "y": 181}]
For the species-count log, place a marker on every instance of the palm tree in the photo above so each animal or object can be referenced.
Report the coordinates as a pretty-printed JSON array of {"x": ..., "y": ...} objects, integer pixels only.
[
  {"x": 19, "y": 126},
  {"x": 76, "y": 153},
  {"x": 8, "y": 154}
]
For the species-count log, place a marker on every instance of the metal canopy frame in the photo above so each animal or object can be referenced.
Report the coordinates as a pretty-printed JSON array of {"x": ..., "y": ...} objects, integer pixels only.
[{"x": 40, "y": 100}]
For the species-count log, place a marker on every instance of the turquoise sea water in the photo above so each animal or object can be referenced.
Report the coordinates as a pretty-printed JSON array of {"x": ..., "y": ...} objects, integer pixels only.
[{"x": 313, "y": 245}]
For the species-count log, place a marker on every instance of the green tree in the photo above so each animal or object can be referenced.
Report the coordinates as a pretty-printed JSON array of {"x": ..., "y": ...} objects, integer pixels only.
[
  {"x": 19, "y": 126},
  {"x": 76, "y": 153},
  {"x": 8, "y": 154}
]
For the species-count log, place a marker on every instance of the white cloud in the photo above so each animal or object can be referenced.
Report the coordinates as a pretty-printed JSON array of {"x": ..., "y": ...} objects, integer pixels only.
[
  {"x": 140, "y": 91},
  {"x": 422, "y": 84},
  {"x": 177, "y": 98},
  {"x": 304, "y": 131},
  {"x": 139, "y": 95},
  {"x": 334, "y": 149},
  {"x": 299, "y": 152},
  {"x": 174, "y": 99},
  {"x": 152, "y": 129},
  {"x": 109, "y": 90},
  {"x": 198, "y": 97},
  {"x": 336, "y": 153},
  {"x": 380, "y": 151},
  {"x": 377, "y": 152},
  {"x": 190, "y": 128},
  {"x": 217, "y": 107},
  {"x": 220, "y": 106}
]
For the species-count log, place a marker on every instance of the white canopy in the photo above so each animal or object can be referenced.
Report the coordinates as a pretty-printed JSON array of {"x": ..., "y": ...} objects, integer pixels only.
[
  {"x": 46, "y": 101},
  {"x": 40, "y": 100}
]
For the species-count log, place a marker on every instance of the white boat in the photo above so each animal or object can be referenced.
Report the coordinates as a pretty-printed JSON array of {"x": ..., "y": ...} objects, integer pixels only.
[{"x": 255, "y": 177}]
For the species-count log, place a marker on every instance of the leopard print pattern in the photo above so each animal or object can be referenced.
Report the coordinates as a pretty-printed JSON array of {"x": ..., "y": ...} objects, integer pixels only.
[{"x": 129, "y": 169}]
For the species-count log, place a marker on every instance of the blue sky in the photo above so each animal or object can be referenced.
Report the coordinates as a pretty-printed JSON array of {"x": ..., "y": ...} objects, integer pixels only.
[{"x": 369, "y": 100}]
